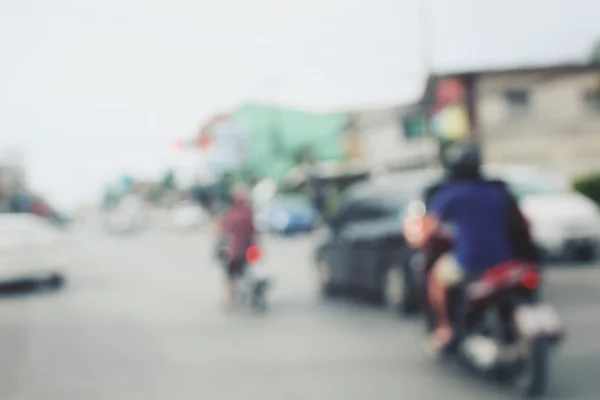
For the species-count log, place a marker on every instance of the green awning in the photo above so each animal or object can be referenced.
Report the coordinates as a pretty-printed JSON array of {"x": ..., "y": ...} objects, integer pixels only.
[{"x": 277, "y": 135}]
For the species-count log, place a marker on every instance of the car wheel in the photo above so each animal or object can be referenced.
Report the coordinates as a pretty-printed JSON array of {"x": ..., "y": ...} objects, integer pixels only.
[
  {"x": 323, "y": 273},
  {"x": 395, "y": 293},
  {"x": 56, "y": 282},
  {"x": 393, "y": 288}
]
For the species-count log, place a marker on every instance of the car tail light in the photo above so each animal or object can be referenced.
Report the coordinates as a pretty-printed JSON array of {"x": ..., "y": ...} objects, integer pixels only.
[
  {"x": 527, "y": 223},
  {"x": 253, "y": 254},
  {"x": 530, "y": 280}
]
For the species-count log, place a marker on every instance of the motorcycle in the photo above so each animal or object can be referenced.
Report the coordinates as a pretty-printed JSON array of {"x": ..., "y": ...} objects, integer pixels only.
[
  {"x": 254, "y": 283},
  {"x": 502, "y": 327},
  {"x": 251, "y": 289}
]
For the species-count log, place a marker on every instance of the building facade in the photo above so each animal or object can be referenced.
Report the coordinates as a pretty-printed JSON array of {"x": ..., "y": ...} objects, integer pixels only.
[
  {"x": 541, "y": 117},
  {"x": 548, "y": 116}
]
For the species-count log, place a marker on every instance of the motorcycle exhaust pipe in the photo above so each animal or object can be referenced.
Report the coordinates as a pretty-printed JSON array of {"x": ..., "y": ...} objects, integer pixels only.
[{"x": 481, "y": 351}]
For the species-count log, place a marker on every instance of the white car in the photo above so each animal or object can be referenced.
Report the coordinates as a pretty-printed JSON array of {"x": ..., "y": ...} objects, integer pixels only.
[
  {"x": 563, "y": 222},
  {"x": 123, "y": 222},
  {"x": 188, "y": 216},
  {"x": 31, "y": 249}
]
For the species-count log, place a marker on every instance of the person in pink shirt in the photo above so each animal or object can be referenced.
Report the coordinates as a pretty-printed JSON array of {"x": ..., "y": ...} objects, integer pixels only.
[{"x": 238, "y": 231}]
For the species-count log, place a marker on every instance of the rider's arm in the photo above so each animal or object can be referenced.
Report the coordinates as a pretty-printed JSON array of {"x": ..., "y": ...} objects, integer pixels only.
[
  {"x": 439, "y": 211},
  {"x": 420, "y": 230}
]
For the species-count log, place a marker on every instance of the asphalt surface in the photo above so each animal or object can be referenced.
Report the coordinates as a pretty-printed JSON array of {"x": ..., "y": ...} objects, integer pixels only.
[{"x": 141, "y": 319}]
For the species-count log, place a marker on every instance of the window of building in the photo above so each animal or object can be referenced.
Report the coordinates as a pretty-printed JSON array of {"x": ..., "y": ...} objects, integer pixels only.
[
  {"x": 518, "y": 101},
  {"x": 591, "y": 99}
]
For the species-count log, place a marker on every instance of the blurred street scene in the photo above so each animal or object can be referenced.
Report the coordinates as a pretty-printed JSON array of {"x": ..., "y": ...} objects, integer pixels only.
[
  {"x": 142, "y": 319},
  {"x": 128, "y": 141}
]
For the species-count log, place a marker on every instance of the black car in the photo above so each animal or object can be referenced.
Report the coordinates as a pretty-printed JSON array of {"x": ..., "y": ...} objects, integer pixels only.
[{"x": 363, "y": 248}]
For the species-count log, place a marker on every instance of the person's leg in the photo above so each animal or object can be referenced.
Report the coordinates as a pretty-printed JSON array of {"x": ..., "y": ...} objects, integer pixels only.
[
  {"x": 437, "y": 299},
  {"x": 230, "y": 282},
  {"x": 445, "y": 273},
  {"x": 228, "y": 293}
]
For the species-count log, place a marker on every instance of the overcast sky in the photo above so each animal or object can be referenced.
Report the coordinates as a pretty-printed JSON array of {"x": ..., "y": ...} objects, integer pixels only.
[{"x": 92, "y": 88}]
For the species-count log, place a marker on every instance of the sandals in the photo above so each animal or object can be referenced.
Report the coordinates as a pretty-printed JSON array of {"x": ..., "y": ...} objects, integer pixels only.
[{"x": 438, "y": 342}]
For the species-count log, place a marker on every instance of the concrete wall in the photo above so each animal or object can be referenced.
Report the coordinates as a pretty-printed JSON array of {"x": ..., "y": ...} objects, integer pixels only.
[
  {"x": 557, "y": 127},
  {"x": 381, "y": 136}
]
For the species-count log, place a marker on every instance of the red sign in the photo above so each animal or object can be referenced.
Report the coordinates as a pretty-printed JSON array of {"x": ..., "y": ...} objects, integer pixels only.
[
  {"x": 449, "y": 91},
  {"x": 204, "y": 141}
]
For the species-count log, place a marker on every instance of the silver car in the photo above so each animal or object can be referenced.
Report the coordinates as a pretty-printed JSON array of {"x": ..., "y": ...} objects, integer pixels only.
[{"x": 563, "y": 222}]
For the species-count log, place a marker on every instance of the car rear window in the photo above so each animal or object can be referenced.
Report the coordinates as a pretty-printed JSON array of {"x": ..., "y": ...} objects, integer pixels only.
[{"x": 388, "y": 206}]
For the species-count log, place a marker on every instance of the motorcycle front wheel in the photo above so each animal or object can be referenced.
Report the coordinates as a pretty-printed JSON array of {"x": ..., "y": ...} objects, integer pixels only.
[{"x": 533, "y": 379}]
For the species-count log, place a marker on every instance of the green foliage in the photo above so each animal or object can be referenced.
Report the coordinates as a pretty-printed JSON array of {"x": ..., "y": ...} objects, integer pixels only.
[
  {"x": 305, "y": 155},
  {"x": 589, "y": 185},
  {"x": 594, "y": 57},
  {"x": 155, "y": 194},
  {"x": 169, "y": 181}
]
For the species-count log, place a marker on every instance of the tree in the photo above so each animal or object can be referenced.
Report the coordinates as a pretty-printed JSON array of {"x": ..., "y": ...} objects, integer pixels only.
[
  {"x": 127, "y": 183},
  {"x": 110, "y": 198},
  {"x": 594, "y": 57},
  {"x": 305, "y": 155},
  {"x": 155, "y": 194},
  {"x": 169, "y": 181}
]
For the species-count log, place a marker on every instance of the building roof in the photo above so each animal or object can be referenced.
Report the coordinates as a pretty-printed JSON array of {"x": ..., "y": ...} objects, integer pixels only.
[
  {"x": 549, "y": 69},
  {"x": 560, "y": 67},
  {"x": 405, "y": 184},
  {"x": 326, "y": 170}
]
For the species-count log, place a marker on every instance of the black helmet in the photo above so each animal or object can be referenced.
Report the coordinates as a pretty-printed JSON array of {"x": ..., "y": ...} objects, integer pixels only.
[{"x": 462, "y": 160}]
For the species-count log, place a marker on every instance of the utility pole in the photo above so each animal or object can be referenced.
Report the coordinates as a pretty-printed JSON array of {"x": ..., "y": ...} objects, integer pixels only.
[{"x": 426, "y": 36}]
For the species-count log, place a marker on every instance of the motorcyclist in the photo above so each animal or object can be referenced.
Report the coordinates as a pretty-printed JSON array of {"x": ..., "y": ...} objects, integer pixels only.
[
  {"x": 477, "y": 219},
  {"x": 238, "y": 234}
]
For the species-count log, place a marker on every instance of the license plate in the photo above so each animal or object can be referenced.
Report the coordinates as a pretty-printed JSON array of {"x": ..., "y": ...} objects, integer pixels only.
[
  {"x": 259, "y": 271},
  {"x": 538, "y": 319}
]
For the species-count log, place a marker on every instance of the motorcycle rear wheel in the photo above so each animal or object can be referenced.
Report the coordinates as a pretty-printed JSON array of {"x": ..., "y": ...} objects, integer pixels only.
[
  {"x": 533, "y": 379},
  {"x": 258, "y": 300}
]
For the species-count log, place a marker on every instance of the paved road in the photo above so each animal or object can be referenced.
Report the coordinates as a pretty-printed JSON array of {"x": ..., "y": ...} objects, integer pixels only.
[{"x": 141, "y": 320}]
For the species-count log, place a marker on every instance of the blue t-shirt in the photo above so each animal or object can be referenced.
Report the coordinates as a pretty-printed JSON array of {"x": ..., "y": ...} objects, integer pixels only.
[{"x": 476, "y": 212}]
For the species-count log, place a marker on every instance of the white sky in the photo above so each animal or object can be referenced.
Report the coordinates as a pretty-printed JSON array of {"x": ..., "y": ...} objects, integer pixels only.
[{"x": 93, "y": 88}]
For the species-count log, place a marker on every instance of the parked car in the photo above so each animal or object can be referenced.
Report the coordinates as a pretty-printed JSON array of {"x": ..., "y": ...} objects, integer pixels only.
[
  {"x": 188, "y": 215},
  {"x": 287, "y": 214},
  {"x": 563, "y": 223},
  {"x": 32, "y": 249},
  {"x": 363, "y": 248}
]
